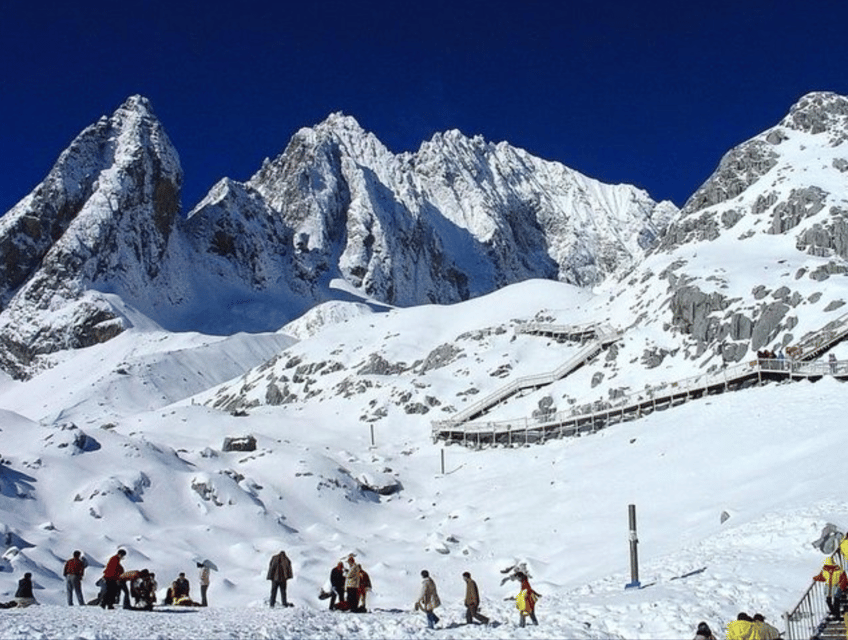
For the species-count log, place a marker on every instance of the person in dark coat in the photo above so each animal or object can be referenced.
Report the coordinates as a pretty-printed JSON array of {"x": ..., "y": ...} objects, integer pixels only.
[
  {"x": 181, "y": 587},
  {"x": 23, "y": 596},
  {"x": 73, "y": 572},
  {"x": 279, "y": 573},
  {"x": 112, "y": 575},
  {"x": 337, "y": 584}
]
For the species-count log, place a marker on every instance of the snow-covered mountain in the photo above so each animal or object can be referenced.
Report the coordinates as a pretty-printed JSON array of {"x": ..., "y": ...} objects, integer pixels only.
[
  {"x": 455, "y": 220},
  {"x": 121, "y": 443}
]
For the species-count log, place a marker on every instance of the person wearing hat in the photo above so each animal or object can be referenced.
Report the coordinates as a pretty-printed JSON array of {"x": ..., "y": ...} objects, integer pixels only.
[
  {"x": 352, "y": 578},
  {"x": 428, "y": 600}
]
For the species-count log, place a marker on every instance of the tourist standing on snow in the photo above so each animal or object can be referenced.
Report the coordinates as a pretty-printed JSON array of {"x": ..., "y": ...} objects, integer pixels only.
[
  {"x": 112, "y": 574},
  {"x": 428, "y": 599},
  {"x": 704, "y": 632},
  {"x": 837, "y": 584},
  {"x": 279, "y": 572},
  {"x": 364, "y": 588},
  {"x": 204, "y": 583},
  {"x": 73, "y": 572},
  {"x": 337, "y": 584},
  {"x": 23, "y": 596},
  {"x": 472, "y": 601},
  {"x": 526, "y": 600},
  {"x": 352, "y": 584}
]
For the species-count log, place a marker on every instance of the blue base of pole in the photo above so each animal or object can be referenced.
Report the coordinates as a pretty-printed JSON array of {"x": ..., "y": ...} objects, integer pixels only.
[{"x": 633, "y": 585}]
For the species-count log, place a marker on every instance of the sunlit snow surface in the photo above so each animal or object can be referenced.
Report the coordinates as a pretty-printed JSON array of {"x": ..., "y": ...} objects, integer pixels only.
[{"x": 152, "y": 478}]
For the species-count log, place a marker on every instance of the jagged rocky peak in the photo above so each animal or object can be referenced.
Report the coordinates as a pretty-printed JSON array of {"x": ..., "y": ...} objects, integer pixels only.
[
  {"x": 101, "y": 219},
  {"x": 779, "y": 200},
  {"x": 119, "y": 153},
  {"x": 785, "y": 173},
  {"x": 820, "y": 112}
]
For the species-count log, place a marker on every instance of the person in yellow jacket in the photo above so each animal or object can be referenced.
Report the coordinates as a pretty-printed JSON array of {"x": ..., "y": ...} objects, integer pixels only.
[
  {"x": 837, "y": 584},
  {"x": 526, "y": 599},
  {"x": 743, "y": 628}
]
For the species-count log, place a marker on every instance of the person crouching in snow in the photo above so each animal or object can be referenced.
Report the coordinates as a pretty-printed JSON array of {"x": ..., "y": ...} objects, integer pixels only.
[
  {"x": 23, "y": 596},
  {"x": 526, "y": 600},
  {"x": 428, "y": 600},
  {"x": 837, "y": 584}
]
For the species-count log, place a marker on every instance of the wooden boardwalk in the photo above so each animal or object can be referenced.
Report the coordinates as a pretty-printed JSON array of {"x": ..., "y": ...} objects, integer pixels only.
[{"x": 462, "y": 428}]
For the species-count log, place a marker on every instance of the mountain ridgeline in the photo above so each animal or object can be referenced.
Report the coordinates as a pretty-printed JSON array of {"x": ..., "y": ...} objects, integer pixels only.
[{"x": 337, "y": 216}]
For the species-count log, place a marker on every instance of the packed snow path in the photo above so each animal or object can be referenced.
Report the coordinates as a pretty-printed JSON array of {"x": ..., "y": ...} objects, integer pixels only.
[{"x": 459, "y": 429}]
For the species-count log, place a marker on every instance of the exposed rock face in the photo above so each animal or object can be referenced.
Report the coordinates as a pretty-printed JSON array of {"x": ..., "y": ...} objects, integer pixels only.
[
  {"x": 100, "y": 222},
  {"x": 787, "y": 182},
  {"x": 459, "y": 218}
]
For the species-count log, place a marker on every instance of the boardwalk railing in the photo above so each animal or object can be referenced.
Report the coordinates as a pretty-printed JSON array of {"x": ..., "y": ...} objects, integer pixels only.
[
  {"x": 592, "y": 418},
  {"x": 600, "y": 336},
  {"x": 814, "y": 344},
  {"x": 809, "y": 617},
  {"x": 587, "y": 419}
]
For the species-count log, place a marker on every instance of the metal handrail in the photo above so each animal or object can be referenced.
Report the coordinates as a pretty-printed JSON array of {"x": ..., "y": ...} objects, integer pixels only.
[
  {"x": 635, "y": 401},
  {"x": 809, "y": 617},
  {"x": 537, "y": 380}
]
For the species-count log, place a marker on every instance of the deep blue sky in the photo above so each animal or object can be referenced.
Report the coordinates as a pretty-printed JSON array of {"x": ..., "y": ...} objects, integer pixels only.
[{"x": 633, "y": 91}]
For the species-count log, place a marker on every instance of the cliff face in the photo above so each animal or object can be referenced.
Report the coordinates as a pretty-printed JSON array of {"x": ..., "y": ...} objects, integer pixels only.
[
  {"x": 101, "y": 222},
  {"x": 335, "y": 215},
  {"x": 773, "y": 219}
]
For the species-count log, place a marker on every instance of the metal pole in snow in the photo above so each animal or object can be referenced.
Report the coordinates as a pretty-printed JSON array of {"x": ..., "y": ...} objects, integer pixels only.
[
  {"x": 634, "y": 556},
  {"x": 372, "y": 434},
  {"x": 443, "y": 462}
]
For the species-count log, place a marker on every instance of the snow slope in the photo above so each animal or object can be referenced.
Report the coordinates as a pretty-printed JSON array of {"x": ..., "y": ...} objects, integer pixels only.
[{"x": 153, "y": 479}]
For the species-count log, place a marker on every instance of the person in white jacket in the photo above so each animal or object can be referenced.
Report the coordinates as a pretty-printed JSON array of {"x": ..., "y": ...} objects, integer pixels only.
[
  {"x": 204, "y": 582},
  {"x": 428, "y": 600}
]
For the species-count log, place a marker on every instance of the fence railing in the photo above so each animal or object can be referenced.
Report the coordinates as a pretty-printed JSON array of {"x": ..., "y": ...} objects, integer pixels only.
[
  {"x": 598, "y": 415},
  {"x": 809, "y": 617},
  {"x": 811, "y": 345},
  {"x": 600, "y": 335}
]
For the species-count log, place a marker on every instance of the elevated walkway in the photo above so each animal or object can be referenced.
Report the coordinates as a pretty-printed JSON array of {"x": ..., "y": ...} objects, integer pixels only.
[
  {"x": 809, "y": 620},
  {"x": 598, "y": 336},
  {"x": 812, "y": 345},
  {"x": 462, "y": 428}
]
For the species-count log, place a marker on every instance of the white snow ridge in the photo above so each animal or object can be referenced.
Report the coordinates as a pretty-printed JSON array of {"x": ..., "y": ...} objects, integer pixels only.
[{"x": 333, "y": 309}]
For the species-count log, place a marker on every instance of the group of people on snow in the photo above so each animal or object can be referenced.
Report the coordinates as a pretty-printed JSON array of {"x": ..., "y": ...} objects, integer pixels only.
[
  {"x": 138, "y": 586},
  {"x": 744, "y": 627},
  {"x": 349, "y": 587}
]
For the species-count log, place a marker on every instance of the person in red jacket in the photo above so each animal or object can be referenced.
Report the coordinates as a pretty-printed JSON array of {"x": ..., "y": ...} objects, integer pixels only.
[
  {"x": 112, "y": 574},
  {"x": 837, "y": 584},
  {"x": 73, "y": 572}
]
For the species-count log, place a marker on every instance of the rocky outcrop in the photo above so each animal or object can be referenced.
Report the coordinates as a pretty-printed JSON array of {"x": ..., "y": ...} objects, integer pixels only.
[{"x": 459, "y": 218}]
